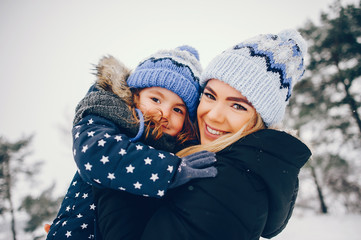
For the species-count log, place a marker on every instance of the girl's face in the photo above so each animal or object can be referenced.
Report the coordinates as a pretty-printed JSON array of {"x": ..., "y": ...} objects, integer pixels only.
[
  {"x": 222, "y": 110},
  {"x": 163, "y": 104}
]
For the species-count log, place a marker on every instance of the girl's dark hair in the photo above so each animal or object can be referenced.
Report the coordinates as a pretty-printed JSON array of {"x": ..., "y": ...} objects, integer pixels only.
[{"x": 153, "y": 127}]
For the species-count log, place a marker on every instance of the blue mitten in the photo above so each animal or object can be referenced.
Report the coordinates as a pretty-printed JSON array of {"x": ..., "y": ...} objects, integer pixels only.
[{"x": 196, "y": 165}]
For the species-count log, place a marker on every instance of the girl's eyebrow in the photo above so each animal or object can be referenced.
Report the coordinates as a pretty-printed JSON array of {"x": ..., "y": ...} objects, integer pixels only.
[
  {"x": 162, "y": 96},
  {"x": 157, "y": 92}
]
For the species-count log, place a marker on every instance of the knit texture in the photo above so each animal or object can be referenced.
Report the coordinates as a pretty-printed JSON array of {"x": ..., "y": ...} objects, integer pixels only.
[
  {"x": 264, "y": 69},
  {"x": 177, "y": 70}
]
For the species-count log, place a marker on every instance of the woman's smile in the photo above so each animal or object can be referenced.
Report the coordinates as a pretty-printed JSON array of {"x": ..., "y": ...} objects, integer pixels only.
[{"x": 222, "y": 105}]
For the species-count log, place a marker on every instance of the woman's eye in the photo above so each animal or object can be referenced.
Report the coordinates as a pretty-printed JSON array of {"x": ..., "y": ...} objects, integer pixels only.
[
  {"x": 210, "y": 96},
  {"x": 239, "y": 107},
  {"x": 155, "y": 100}
]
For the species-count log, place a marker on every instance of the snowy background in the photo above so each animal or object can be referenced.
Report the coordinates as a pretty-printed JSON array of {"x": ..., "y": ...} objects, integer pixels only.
[{"x": 47, "y": 49}]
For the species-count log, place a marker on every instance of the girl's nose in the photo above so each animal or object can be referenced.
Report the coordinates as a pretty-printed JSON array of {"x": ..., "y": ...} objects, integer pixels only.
[{"x": 165, "y": 112}]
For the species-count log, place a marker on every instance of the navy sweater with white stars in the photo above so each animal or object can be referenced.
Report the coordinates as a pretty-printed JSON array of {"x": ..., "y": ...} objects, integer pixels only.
[{"x": 107, "y": 158}]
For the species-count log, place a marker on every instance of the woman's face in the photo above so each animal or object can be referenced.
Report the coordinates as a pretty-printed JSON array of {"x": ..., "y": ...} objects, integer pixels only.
[
  {"x": 163, "y": 104},
  {"x": 222, "y": 110}
]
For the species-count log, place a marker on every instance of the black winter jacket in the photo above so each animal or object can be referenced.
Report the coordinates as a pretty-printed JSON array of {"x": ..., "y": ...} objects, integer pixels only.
[{"x": 253, "y": 194}]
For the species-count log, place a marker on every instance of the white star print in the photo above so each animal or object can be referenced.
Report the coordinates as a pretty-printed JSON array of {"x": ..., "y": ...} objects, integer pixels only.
[
  {"x": 118, "y": 138},
  {"x": 76, "y": 127},
  {"x": 154, "y": 177},
  {"x": 139, "y": 147},
  {"x": 130, "y": 168},
  {"x": 68, "y": 234},
  {"x": 121, "y": 188},
  {"x": 111, "y": 176},
  {"x": 74, "y": 183},
  {"x": 91, "y": 134},
  {"x": 64, "y": 223},
  {"x": 77, "y": 135},
  {"x": 137, "y": 185},
  {"x": 122, "y": 152},
  {"x": 160, "y": 193},
  {"x": 90, "y": 121},
  {"x": 84, "y": 148},
  {"x": 88, "y": 166},
  {"x": 101, "y": 143},
  {"x": 107, "y": 135},
  {"x": 97, "y": 181},
  {"x": 85, "y": 195},
  {"x": 83, "y": 226},
  {"x": 79, "y": 216},
  {"x": 67, "y": 208},
  {"x": 77, "y": 194},
  {"x": 74, "y": 152},
  {"x": 161, "y": 155},
  {"x": 148, "y": 161},
  {"x": 104, "y": 159},
  {"x": 170, "y": 168},
  {"x": 92, "y": 207}
]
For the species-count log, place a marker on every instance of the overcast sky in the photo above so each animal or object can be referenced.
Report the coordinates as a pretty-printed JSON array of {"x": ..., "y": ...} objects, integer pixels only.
[{"x": 47, "y": 49}]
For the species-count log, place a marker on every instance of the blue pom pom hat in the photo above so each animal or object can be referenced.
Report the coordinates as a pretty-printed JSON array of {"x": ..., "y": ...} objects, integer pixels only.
[
  {"x": 264, "y": 69},
  {"x": 177, "y": 70}
]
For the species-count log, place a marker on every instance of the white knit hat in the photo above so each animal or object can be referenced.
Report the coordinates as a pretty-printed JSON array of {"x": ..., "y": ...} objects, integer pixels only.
[{"x": 264, "y": 69}]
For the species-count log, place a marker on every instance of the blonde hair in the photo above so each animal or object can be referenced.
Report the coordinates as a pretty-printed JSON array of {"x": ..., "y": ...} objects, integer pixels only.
[{"x": 228, "y": 139}]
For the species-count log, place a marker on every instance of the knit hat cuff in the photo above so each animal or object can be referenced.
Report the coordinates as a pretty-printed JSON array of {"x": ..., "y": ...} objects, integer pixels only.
[{"x": 258, "y": 85}]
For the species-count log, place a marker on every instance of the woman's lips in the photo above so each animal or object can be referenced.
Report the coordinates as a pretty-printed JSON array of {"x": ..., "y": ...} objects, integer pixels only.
[{"x": 214, "y": 132}]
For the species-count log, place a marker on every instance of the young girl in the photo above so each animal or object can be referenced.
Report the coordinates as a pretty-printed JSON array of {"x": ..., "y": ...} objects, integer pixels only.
[
  {"x": 246, "y": 90},
  {"x": 165, "y": 89}
]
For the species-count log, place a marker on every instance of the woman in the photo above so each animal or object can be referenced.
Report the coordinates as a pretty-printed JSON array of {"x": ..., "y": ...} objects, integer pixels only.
[{"x": 246, "y": 90}]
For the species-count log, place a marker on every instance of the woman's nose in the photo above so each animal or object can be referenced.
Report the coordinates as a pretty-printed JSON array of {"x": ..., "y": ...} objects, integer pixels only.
[{"x": 216, "y": 113}]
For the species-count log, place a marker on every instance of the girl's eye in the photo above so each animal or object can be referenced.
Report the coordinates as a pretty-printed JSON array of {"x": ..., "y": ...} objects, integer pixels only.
[
  {"x": 178, "y": 110},
  {"x": 155, "y": 100},
  {"x": 239, "y": 107},
  {"x": 209, "y": 95}
]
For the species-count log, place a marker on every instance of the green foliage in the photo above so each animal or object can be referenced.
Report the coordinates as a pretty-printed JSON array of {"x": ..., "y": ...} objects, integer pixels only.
[
  {"x": 12, "y": 165},
  {"x": 12, "y": 155},
  {"x": 40, "y": 208}
]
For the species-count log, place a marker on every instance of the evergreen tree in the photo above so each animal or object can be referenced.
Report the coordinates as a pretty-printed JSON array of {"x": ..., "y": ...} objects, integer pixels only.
[
  {"x": 12, "y": 155},
  {"x": 12, "y": 165},
  {"x": 39, "y": 209},
  {"x": 326, "y": 106}
]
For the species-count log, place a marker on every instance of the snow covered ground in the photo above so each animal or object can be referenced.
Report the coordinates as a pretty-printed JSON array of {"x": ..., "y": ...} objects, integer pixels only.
[
  {"x": 300, "y": 227},
  {"x": 321, "y": 227}
]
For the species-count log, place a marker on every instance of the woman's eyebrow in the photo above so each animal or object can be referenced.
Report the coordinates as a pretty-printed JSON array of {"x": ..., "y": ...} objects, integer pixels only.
[
  {"x": 211, "y": 90},
  {"x": 238, "y": 99}
]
